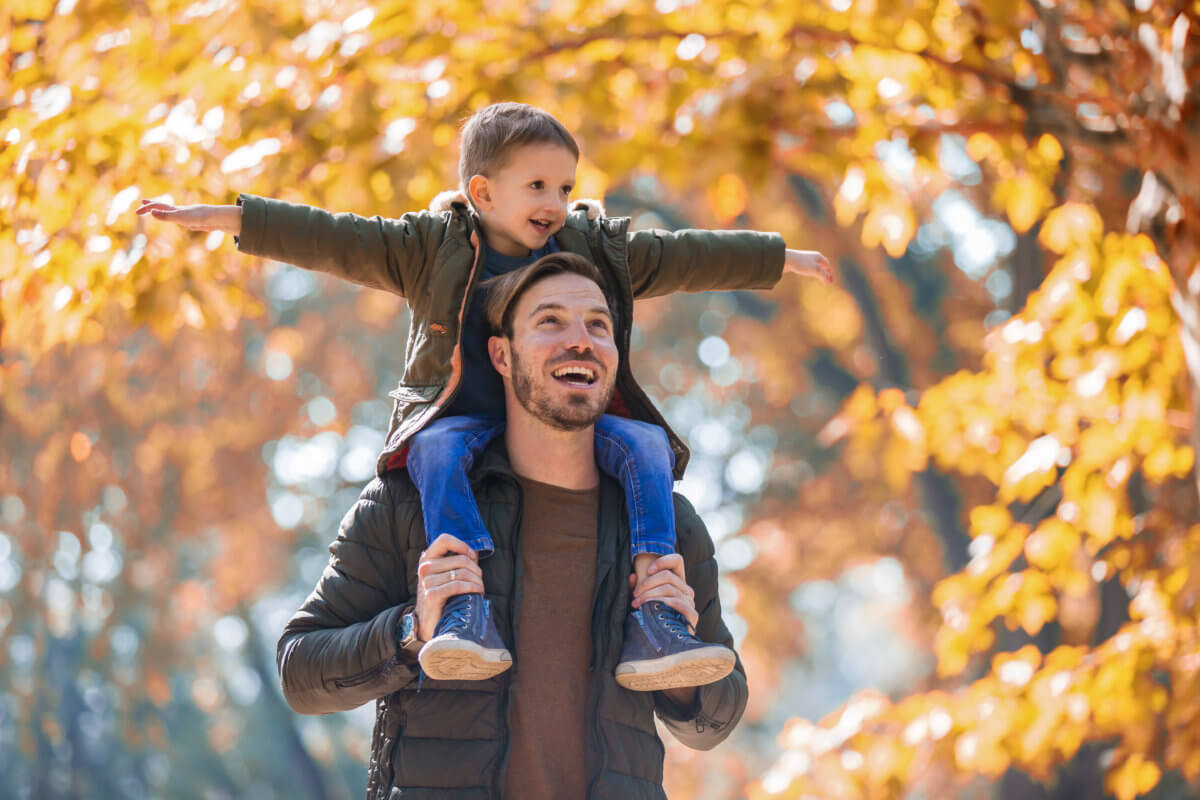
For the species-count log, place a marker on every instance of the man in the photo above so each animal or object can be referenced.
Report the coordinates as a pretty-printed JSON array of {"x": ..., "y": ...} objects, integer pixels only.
[{"x": 556, "y": 725}]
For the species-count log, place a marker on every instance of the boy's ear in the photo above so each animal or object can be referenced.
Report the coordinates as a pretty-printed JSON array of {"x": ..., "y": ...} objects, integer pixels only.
[
  {"x": 479, "y": 192},
  {"x": 500, "y": 352}
]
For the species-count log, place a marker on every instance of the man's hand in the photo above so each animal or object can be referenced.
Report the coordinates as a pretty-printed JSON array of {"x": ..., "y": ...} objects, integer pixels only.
[
  {"x": 665, "y": 582},
  {"x": 198, "y": 217},
  {"x": 809, "y": 263},
  {"x": 446, "y": 569}
]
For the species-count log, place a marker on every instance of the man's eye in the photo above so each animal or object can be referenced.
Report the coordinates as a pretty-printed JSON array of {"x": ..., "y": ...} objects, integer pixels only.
[
  {"x": 550, "y": 320},
  {"x": 600, "y": 325}
]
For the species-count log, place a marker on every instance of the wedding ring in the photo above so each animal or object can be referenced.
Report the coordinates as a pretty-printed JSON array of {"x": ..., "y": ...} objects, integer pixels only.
[{"x": 452, "y": 576}]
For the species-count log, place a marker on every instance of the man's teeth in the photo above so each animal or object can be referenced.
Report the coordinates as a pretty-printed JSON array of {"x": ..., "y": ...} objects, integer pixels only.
[{"x": 575, "y": 372}]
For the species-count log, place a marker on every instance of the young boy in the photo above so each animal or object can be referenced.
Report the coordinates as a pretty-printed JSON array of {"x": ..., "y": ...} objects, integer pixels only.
[{"x": 517, "y": 169}]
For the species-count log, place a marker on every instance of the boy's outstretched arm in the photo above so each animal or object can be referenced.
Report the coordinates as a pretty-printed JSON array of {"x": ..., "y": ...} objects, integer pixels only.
[
  {"x": 661, "y": 262},
  {"x": 199, "y": 217},
  {"x": 388, "y": 254}
]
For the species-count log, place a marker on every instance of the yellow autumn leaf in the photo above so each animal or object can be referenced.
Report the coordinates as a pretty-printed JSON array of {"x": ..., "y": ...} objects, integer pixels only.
[
  {"x": 590, "y": 181},
  {"x": 1049, "y": 148},
  {"x": 1070, "y": 226},
  {"x": 990, "y": 520},
  {"x": 1024, "y": 198},
  {"x": 727, "y": 197},
  {"x": 912, "y": 37},
  {"x": 889, "y": 223},
  {"x": 1133, "y": 777}
]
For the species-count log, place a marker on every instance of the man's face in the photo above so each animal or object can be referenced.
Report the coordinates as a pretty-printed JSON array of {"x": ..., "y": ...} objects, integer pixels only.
[
  {"x": 524, "y": 202},
  {"x": 562, "y": 358}
]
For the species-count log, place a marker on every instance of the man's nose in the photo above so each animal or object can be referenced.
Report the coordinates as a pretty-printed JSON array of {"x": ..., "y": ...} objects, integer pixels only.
[{"x": 577, "y": 336}]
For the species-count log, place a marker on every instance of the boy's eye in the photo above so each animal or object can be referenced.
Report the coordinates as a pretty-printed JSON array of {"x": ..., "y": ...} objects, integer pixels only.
[
  {"x": 567, "y": 189},
  {"x": 536, "y": 185}
]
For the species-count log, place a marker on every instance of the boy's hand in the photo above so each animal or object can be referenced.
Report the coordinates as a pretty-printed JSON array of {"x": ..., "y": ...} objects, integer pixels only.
[
  {"x": 809, "y": 263},
  {"x": 198, "y": 217}
]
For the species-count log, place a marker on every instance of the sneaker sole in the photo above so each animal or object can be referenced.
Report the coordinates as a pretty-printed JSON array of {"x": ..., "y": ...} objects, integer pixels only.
[
  {"x": 455, "y": 660},
  {"x": 679, "y": 671}
]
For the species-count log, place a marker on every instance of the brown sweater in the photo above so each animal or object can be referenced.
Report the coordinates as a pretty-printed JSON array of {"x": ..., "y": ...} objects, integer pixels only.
[{"x": 553, "y": 644}]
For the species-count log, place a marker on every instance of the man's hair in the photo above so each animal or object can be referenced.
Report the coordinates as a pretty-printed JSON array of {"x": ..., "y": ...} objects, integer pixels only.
[
  {"x": 505, "y": 291},
  {"x": 492, "y": 133}
]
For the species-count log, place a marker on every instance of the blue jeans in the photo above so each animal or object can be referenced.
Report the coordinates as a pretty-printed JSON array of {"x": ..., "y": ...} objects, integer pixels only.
[{"x": 637, "y": 454}]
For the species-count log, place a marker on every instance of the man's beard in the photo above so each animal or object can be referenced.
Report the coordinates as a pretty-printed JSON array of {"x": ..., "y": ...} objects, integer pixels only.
[{"x": 573, "y": 414}]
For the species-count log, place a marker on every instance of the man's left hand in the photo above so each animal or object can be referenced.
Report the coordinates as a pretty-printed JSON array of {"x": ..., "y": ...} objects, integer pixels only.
[{"x": 665, "y": 581}]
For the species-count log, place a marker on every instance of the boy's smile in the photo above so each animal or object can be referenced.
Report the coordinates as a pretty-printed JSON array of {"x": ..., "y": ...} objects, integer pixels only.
[{"x": 524, "y": 202}]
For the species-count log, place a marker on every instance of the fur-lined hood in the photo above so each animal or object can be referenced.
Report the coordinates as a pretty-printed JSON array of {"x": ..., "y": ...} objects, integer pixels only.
[{"x": 445, "y": 200}]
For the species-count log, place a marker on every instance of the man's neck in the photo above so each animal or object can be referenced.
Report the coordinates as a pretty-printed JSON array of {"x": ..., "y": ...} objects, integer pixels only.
[{"x": 566, "y": 459}]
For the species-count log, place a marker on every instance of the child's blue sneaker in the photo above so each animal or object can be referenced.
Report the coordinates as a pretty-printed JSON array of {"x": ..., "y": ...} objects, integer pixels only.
[
  {"x": 660, "y": 652},
  {"x": 466, "y": 645}
]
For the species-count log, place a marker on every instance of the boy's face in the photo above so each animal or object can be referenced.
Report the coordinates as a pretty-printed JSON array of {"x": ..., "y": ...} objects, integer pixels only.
[{"x": 525, "y": 201}]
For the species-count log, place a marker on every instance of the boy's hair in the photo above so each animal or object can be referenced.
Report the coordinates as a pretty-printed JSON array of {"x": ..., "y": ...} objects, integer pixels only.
[
  {"x": 505, "y": 291},
  {"x": 492, "y": 133}
]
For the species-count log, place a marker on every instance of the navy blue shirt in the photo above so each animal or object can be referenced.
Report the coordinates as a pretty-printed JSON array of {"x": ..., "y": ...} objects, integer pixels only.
[{"x": 482, "y": 391}]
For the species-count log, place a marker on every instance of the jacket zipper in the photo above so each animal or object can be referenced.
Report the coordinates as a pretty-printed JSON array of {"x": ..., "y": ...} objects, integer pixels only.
[{"x": 367, "y": 675}]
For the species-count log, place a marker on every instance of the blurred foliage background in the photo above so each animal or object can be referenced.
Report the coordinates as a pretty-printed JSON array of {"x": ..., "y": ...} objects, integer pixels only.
[{"x": 954, "y": 496}]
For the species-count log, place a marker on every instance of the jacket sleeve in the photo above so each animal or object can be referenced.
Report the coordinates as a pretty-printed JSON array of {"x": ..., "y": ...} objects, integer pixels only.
[
  {"x": 661, "y": 262},
  {"x": 388, "y": 254},
  {"x": 341, "y": 648},
  {"x": 718, "y": 706}
]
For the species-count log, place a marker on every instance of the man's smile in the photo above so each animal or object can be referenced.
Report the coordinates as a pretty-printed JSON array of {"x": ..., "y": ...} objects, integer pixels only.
[{"x": 578, "y": 375}]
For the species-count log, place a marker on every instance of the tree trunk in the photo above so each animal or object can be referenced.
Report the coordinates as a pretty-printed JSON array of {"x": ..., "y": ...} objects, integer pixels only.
[
  {"x": 1187, "y": 305},
  {"x": 305, "y": 766},
  {"x": 940, "y": 499}
]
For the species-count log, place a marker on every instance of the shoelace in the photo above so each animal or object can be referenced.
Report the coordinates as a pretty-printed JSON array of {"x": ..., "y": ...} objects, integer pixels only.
[
  {"x": 456, "y": 615},
  {"x": 674, "y": 622}
]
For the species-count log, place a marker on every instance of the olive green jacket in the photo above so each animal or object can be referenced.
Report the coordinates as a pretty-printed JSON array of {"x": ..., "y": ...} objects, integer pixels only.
[
  {"x": 432, "y": 258},
  {"x": 448, "y": 740}
]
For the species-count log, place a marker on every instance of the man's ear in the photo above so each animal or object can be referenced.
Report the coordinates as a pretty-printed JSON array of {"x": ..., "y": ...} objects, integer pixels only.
[
  {"x": 479, "y": 192},
  {"x": 500, "y": 351}
]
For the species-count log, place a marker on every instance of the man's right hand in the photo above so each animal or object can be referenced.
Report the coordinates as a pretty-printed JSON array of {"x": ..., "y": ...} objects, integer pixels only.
[
  {"x": 198, "y": 217},
  {"x": 448, "y": 568}
]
